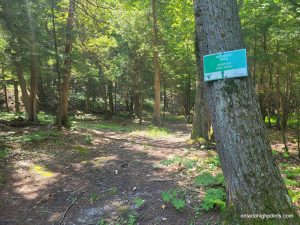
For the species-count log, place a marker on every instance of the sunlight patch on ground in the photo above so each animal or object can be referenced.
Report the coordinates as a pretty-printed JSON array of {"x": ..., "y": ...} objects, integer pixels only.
[
  {"x": 100, "y": 161},
  {"x": 42, "y": 171},
  {"x": 54, "y": 217},
  {"x": 153, "y": 132},
  {"x": 30, "y": 180}
]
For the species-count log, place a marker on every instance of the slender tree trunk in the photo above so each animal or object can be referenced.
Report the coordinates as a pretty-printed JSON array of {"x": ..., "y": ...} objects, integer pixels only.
[
  {"x": 156, "y": 118},
  {"x": 286, "y": 100},
  {"x": 269, "y": 63},
  {"x": 110, "y": 97},
  {"x": 16, "y": 94},
  {"x": 5, "y": 96},
  {"x": 22, "y": 82},
  {"x": 278, "y": 100},
  {"x": 200, "y": 118},
  {"x": 32, "y": 117},
  {"x": 280, "y": 106},
  {"x": 298, "y": 127},
  {"x": 57, "y": 67},
  {"x": 165, "y": 95},
  {"x": 131, "y": 103},
  {"x": 115, "y": 93},
  {"x": 87, "y": 108},
  {"x": 66, "y": 72},
  {"x": 188, "y": 98},
  {"x": 138, "y": 106},
  {"x": 127, "y": 101},
  {"x": 253, "y": 181},
  {"x": 254, "y": 62}
]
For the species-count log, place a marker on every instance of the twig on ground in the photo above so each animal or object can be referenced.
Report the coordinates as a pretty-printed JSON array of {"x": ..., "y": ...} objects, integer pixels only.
[
  {"x": 16, "y": 197},
  {"x": 194, "y": 190},
  {"x": 154, "y": 180},
  {"x": 190, "y": 207},
  {"x": 69, "y": 207}
]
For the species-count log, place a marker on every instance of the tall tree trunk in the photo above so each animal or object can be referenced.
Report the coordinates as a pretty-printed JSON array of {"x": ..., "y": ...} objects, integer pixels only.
[
  {"x": 66, "y": 72},
  {"x": 138, "y": 106},
  {"x": 16, "y": 94},
  {"x": 127, "y": 101},
  {"x": 32, "y": 117},
  {"x": 253, "y": 181},
  {"x": 87, "y": 108},
  {"x": 102, "y": 82},
  {"x": 156, "y": 117},
  {"x": 298, "y": 127},
  {"x": 115, "y": 97},
  {"x": 165, "y": 95},
  {"x": 201, "y": 123},
  {"x": 5, "y": 94},
  {"x": 188, "y": 98},
  {"x": 57, "y": 67},
  {"x": 110, "y": 97},
  {"x": 254, "y": 62},
  {"x": 286, "y": 100},
  {"x": 280, "y": 106},
  {"x": 22, "y": 82}
]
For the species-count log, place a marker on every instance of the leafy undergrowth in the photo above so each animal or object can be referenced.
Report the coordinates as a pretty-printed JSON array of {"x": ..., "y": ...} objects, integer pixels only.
[
  {"x": 200, "y": 171},
  {"x": 199, "y": 180},
  {"x": 43, "y": 118},
  {"x": 34, "y": 136},
  {"x": 291, "y": 176},
  {"x": 149, "y": 131},
  {"x": 105, "y": 126}
]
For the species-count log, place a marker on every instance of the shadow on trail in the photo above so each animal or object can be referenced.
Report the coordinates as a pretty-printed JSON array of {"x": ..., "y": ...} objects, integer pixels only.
[{"x": 104, "y": 179}]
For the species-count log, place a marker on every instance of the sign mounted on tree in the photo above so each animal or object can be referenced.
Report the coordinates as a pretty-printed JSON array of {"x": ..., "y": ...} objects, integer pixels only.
[{"x": 224, "y": 65}]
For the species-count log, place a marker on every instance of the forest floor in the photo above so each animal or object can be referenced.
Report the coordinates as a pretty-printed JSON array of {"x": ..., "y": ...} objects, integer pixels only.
[{"x": 116, "y": 172}]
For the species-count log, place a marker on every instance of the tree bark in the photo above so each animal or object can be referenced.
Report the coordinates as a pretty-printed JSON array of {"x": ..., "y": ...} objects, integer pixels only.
[
  {"x": 156, "y": 117},
  {"x": 188, "y": 98},
  {"x": 110, "y": 97},
  {"x": 298, "y": 127},
  {"x": 115, "y": 97},
  {"x": 22, "y": 82},
  {"x": 253, "y": 181},
  {"x": 16, "y": 94},
  {"x": 138, "y": 106},
  {"x": 5, "y": 94},
  {"x": 200, "y": 118},
  {"x": 87, "y": 108},
  {"x": 57, "y": 67},
  {"x": 32, "y": 117},
  {"x": 164, "y": 95},
  {"x": 66, "y": 71}
]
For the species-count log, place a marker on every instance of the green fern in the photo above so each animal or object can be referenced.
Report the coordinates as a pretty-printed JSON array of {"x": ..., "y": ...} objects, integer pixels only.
[
  {"x": 206, "y": 179},
  {"x": 214, "y": 197},
  {"x": 175, "y": 197}
]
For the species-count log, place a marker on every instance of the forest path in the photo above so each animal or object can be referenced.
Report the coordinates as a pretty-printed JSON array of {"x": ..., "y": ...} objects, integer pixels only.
[{"x": 95, "y": 175}]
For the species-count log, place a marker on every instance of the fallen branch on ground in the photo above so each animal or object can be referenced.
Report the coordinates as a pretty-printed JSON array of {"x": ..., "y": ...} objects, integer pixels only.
[{"x": 70, "y": 206}]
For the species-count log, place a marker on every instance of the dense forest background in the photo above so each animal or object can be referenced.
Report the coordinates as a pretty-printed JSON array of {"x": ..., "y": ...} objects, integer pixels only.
[
  {"x": 104, "y": 93},
  {"x": 104, "y": 55}
]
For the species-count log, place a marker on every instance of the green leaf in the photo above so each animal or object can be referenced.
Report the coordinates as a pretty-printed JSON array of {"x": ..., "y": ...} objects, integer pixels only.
[
  {"x": 166, "y": 196},
  {"x": 178, "y": 203},
  {"x": 206, "y": 179},
  {"x": 214, "y": 197}
]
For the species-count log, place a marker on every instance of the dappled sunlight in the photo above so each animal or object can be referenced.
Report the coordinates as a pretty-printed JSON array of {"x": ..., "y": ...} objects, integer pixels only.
[
  {"x": 112, "y": 168},
  {"x": 100, "y": 161},
  {"x": 42, "y": 171},
  {"x": 30, "y": 180},
  {"x": 54, "y": 217}
]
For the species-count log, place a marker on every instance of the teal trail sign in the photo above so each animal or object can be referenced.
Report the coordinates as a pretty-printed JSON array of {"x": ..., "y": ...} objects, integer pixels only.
[{"x": 225, "y": 65}]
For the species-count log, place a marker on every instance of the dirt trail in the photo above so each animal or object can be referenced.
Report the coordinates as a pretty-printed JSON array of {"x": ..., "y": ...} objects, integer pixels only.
[{"x": 101, "y": 180}]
